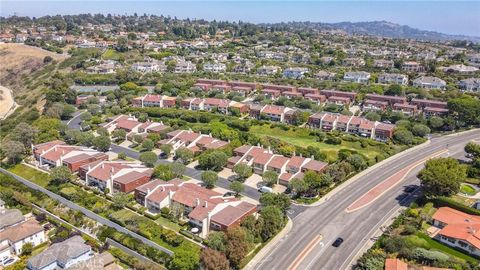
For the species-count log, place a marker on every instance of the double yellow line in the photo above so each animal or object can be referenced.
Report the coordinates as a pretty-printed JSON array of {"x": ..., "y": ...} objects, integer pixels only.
[{"x": 305, "y": 252}]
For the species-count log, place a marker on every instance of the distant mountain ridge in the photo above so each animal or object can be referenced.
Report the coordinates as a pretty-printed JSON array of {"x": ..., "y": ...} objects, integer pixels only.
[{"x": 388, "y": 29}]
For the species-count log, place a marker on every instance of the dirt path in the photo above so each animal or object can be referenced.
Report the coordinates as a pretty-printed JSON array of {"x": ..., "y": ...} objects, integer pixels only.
[{"x": 7, "y": 104}]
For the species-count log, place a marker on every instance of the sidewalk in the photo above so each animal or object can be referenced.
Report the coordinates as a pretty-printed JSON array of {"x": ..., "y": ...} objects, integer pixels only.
[{"x": 267, "y": 248}]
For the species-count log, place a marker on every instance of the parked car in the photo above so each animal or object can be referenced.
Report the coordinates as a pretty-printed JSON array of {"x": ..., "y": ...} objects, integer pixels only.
[
  {"x": 337, "y": 242},
  {"x": 265, "y": 189},
  {"x": 6, "y": 261}
]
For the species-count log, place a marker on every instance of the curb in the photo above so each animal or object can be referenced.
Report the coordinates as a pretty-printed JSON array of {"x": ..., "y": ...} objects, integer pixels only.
[{"x": 266, "y": 249}]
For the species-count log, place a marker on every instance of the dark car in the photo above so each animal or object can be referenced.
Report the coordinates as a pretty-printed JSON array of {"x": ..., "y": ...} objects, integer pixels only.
[{"x": 337, "y": 242}]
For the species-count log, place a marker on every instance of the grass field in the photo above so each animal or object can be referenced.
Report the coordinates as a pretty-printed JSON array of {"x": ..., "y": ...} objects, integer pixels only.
[
  {"x": 434, "y": 245},
  {"x": 36, "y": 176},
  {"x": 111, "y": 54},
  {"x": 301, "y": 137},
  {"x": 467, "y": 189}
]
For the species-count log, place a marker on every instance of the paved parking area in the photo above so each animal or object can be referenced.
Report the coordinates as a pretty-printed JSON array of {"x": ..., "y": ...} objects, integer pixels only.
[{"x": 254, "y": 181}]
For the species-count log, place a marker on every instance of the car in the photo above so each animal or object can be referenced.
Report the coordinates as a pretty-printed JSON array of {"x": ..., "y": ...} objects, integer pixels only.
[
  {"x": 337, "y": 242},
  {"x": 265, "y": 189},
  {"x": 229, "y": 194},
  {"x": 7, "y": 261}
]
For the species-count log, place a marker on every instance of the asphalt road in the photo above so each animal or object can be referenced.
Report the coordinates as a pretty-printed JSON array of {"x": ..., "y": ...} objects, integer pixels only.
[
  {"x": 87, "y": 212},
  {"x": 74, "y": 123},
  {"x": 329, "y": 220}
]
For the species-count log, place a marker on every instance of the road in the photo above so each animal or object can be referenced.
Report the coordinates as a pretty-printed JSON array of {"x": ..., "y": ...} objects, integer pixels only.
[
  {"x": 87, "y": 212},
  {"x": 308, "y": 244},
  {"x": 250, "y": 192}
]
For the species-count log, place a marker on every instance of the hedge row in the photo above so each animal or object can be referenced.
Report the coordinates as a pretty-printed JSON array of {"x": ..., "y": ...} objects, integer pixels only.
[{"x": 444, "y": 201}]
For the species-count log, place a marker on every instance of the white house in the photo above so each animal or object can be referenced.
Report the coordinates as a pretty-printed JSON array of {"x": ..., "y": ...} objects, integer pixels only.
[
  {"x": 429, "y": 82},
  {"x": 295, "y": 72},
  {"x": 357, "y": 76},
  {"x": 20, "y": 234}
]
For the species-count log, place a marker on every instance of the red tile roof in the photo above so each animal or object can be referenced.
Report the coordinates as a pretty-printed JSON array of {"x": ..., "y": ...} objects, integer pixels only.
[{"x": 395, "y": 264}]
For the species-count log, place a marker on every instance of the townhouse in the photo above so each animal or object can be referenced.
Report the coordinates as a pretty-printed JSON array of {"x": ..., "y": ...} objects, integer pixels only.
[
  {"x": 335, "y": 93},
  {"x": 205, "y": 209},
  {"x": 351, "y": 124},
  {"x": 134, "y": 127},
  {"x": 382, "y": 63},
  {"x": 393, "y": 78},
  {"x": 429, "y": 82},
  {"x": 458, "y": 229},
  {"x": 57, "y": 153},
  {"x": 357, "y": 77},
  {"x": 406, "y": 109},
  {"x": 115, "y": 176},
  {"x": 270, "y": 112},
  {"x": 375, "y": 102},
  {"x": 214, "y": 67},
  {"x": 412, "y": 66},
  {"x": 150, "y": 100},
  {"x": 196, "y": 142},
  {"x": 245, "y": 88},
  {"x": 211, "y": 104},
  {"x": 262, "y": 160},
  {"x": 84, "y": 99},
  {"x": 431, "y": 107}
]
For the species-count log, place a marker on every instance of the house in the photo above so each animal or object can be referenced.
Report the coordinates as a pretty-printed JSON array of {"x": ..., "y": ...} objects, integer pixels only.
[
  {"x": 383, "y": 131},
  {"x": 395, "y": 264},
  {"x": 57, "y": 153},
  {"x": 462, "y": 69},
  {"x": 62, "y": 255},
  {"x": 10, "y": 217},
  {"x": 134, "y": 127},
  {"x": 319, "y": 99},
  {"x": 374, "y": 105},
  {"x": 105, "y": 67},
  {"x": 117, "y": 176},
  {"x": 412, "y": 66},
  {"x": 382, "y": 63},
  {"x": 353, "y": 62},
  {"x": 295, "y": 72},
  {"x": 150, "y": 100},
  {"x": 214, "y": 67},
  {"x": 393, "y": 78},
  {"x": 243, "y": 87},
  {"x": 470, "y": 84},
  {"x": 423, "y": 103},
  {"x": 196, "y": 142},
  {"x": 357, "y": 76},
  {"x": 429, "y": 82},
  {"x": 458, "y": 229},
  {"x": 339, "y": 101},
  {"x": 325, "y": 75},
  {"x": 204, "y": 208},
  {"x": 307, "y": 90},
  {"x": 18, "y": 235},
  {"x": 268, "y": 70},
  {"x": 221, "y": 105},
  {"x": 102, "y": 261},
  {"x": 149, "y": 67},
  {"x": 274, "y": 113},
  {"x": 185, "y": 67}
]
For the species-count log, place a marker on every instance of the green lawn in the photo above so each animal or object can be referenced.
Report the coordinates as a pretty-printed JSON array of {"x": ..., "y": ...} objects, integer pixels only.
[
  {"x": 36, "y": 176},
  {"x": 467, "y": 189},
  {"x": 301, "y": 137},
  {"x": 168, "y": 224},
  {"x": 111, "y": 54},
  {"x": 435, "y": 245}
]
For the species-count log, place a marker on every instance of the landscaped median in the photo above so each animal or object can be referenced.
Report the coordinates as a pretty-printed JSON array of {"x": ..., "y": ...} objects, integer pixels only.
[{"x": 133, "y": 221}]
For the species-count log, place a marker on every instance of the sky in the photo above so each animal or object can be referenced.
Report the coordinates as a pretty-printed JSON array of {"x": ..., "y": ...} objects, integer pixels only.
[{"x": 451, "y": 17}]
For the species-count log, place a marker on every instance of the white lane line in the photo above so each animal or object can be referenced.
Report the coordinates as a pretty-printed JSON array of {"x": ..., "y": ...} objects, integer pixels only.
[{"x": 318, "y": 255}]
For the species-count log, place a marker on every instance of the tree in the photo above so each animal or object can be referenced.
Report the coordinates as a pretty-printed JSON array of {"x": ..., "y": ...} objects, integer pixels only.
[
  {"x": 55, "y": 110},
  {"x": 273, "y": 221},
  {"x": 280, "y": 200},
  {"x": 103, "y": 131},
  {"x": 243, "y": 171},
  {"x": 394, "y": 90},
  {"x": 61, "y": 174},
  {"x": 137, "y": 138},
  {"x": 163, "y": 172},
  {"x": 184, "y": 155},
  {"x": 122, "y": 156},
  {"x": 148, "y": 158},
  {"x": 184, "y": 259},
  {"x": 403, "y": 136},
  {"x": 68, "y": 110},
  {"x": 237, "y": 187},
  {"x": 435, "y": 122},
  {"x": 120, "y": 200},
  {"x": 217, "y": 241},
  {"x": 466, "y": 109},
  {"x": 442, "y": 176},
  {"x": 209, "y": 178},
  {"x": 27, "y": 249},
  {"x": 270, "y": 178},
  {"x": 166, "y": 149},
  {"x": 214, "y": 161},
  {"x": 214, "y": 260},
  {"x": 102, "y": 143},
  {"x": 357, "y": 161},
  {"x": 373, "y": 116},
  {"x": 119, "y": 134},
  {"x": 148, "y": 144},
  {"x": 13, "y": 150},
  {"x": 24, "y": 133},
  {"x": 473, "y": 149},
  {"x": 86, "y": 116},
  {"x": 86, "y": 139},
  {"x": 298, "y": 185},
  {"x": 178, "y": 169},
  {"x": 420, "y": 130},
  {"x": 237, "y": 246}
]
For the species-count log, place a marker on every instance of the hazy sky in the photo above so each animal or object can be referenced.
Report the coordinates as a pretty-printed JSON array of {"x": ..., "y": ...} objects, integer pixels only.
[{"x": 454, "y": 17}]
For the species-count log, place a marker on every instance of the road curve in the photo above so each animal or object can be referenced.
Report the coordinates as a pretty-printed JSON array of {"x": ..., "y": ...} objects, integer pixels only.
[{"x": 331, "y": 220}]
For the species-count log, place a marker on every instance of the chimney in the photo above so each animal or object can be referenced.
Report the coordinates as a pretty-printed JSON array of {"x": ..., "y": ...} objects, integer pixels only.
[
  {"x": 103, "y": 166},
  {"x": 148, "y": 191},
  {"x": 206, "y": 204},
  {"x": 197, "y": 202}
]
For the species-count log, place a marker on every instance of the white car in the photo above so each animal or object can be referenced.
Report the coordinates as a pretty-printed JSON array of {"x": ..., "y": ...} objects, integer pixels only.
[{"x": 6, "y": 261}]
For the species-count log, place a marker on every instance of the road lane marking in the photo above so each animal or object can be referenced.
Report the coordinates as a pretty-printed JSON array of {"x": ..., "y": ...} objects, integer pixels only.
[
  {"x": 305, "y": 252},
  {"x": 378, "y": 190},
  {"x": 319, "y": 253}
]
